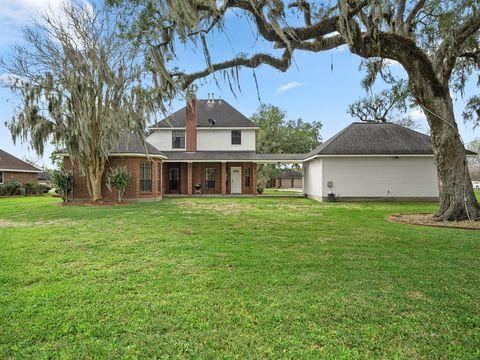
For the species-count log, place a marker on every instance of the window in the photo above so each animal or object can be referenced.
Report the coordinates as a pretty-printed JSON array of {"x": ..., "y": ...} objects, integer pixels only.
[
  {"x": 247, "y": 177},
  {"x": 145, "y": 177},
  {"x": 159, "y": 178},
  {"x": 1, "y": 177},
  {"x": 210, "y": 178},
  {"x": 236, "y": 137},
  {"x": 178, "y": 139}
]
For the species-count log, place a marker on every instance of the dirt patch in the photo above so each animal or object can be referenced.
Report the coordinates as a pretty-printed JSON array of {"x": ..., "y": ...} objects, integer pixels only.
[
  {"x": 95, "y": 203},
  {"x": 17, "y": 224},
  {"x": 223, "y": 208},
  {"x": 428, "y": 220}
]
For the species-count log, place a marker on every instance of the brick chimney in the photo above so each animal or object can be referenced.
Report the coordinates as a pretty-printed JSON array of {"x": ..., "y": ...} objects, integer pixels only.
[{"x": 191, "y": 123}]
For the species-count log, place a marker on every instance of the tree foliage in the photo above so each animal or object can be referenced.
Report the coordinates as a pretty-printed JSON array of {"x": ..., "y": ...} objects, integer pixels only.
[
  {"x": 62, "y": 180},
  {"x": 389, "y": 105},
  {"x": 79, "y": 85},
  {"x": 277, "y": 135}
]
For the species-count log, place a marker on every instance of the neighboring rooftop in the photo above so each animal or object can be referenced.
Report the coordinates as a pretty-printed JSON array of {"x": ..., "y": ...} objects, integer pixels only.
[
  {"x": 289, "y": 173},
  {"x": 10, "y": 162},
  {"x": 224, "y": 114},
  {"x": 372, "y": 138}
]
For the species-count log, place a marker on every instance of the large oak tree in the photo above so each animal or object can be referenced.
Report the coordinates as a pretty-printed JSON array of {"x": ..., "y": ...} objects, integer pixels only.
[
  {"x": 79, "y": 85},
  {"x": 435, "y": 41}
]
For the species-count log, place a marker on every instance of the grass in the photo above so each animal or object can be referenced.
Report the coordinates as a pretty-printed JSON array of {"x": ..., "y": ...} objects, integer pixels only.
[
  {"x": 274, "y": 191},
  {"x": 234, "y": 278}
]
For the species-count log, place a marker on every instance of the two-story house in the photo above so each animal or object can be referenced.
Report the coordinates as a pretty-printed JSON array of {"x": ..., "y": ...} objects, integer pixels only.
[{"x": 207, "y": 147}]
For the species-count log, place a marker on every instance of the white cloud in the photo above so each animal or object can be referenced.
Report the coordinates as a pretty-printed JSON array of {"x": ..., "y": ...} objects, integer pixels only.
[
  {"x": 417, "y": 114},
  {"x": 15, "y": 14},
  {"x": 289, "y": 86},
  {"x": 392, "y": 63}
]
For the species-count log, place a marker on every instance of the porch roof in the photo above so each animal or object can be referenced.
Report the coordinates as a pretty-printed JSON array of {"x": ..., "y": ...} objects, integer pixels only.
[{"x": 233, "y": 156}]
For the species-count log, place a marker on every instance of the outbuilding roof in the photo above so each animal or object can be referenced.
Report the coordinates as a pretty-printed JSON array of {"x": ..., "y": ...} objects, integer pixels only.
[
  {"x": 9, "y": 162},
  {"x": 224, "y": 114},
  {"x": 372, "y": 138}
]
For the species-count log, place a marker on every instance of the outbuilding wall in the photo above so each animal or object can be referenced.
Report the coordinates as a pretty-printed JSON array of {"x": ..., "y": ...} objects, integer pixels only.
[
  {"x": 21, "y": 177},
  {"x": 374, "y": 178}
]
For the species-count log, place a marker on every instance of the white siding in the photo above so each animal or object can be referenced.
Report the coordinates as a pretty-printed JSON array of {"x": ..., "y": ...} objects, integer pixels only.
[
  {"x": 312, "y": 172},
  {"x": 207, "y": 140},
  {"x": 379, "y": 177},
  {"x": 162, "y": 140},
  {"x": 221, "y": 140}
]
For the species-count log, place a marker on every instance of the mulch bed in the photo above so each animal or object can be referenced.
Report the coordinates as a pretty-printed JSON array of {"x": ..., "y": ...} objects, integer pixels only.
[
  {"x": 95, "y": 203},
  {"x": 428, "y": 220}
]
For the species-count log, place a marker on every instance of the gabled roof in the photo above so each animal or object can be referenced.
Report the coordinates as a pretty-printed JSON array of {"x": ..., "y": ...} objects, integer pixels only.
[
  {"x": 10, "y": 162},
  {"x": 224, "y": 114},
  {"x": 372, "y": 138}
]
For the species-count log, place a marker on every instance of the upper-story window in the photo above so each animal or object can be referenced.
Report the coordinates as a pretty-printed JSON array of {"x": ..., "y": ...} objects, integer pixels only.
[
  {"x": 236, "y": 137},
  {"x": 178, "y": 139}
]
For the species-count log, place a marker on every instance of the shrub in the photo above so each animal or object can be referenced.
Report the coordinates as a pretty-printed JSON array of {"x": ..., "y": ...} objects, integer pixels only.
[
  {"x": 63, "y": 182},
  {"x": 32, "y": 188},
  {"x": 12, "y": 188},
  {"x": 44, "y": 189},
  {"x": 260, "y": 188},
  {"x": 3, "y": 190},
  {"x": 118, "y": 178}
]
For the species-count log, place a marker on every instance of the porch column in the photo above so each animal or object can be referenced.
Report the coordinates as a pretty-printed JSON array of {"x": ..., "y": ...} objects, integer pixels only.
[
  {"x": 223, "y": 179},
  {"x": 254, "y": 178},
  {"x": 189, "y": 178}
]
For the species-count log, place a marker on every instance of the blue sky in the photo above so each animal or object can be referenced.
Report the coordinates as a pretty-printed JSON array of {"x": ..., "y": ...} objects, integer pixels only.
[{"x": 309, "y": 89}]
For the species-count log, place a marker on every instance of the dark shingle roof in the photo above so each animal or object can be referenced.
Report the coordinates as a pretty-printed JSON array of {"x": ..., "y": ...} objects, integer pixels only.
[
  {"x": 231, "y": 155},
  {"x": 131, "y": 144},
  {"x": 375, "y": 139},
  {"x": 10, "y": 162},
  {"x": 224, "y": 114}
]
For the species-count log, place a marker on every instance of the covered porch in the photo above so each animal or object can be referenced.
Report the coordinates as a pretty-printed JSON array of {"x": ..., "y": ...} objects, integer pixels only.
[{"x": 215, "y": 173}]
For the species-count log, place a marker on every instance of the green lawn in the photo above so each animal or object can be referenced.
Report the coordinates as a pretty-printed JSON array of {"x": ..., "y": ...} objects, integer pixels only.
[{"x": 238, "y": 278}]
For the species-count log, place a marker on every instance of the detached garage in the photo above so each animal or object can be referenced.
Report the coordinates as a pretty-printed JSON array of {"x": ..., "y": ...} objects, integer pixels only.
[{"x": 372, "y": 161}]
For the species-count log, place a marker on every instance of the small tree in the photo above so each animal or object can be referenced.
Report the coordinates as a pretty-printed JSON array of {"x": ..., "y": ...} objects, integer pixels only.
[
  {"x": 118, "y": 179},
  {"x": 63, "y": 182}
]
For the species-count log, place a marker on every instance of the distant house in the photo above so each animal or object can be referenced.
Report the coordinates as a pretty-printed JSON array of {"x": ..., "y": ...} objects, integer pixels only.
[
  {"x": 290, "y": 179},
  {"x": 14, "y": 169}
]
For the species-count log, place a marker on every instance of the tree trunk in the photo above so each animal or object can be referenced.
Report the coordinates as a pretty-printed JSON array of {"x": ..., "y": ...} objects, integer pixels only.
[
  {"x": 456, "y": 196},
  {"x": 94, "y": 179}
]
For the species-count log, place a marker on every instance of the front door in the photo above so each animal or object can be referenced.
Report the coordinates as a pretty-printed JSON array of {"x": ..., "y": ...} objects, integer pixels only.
[
  {"x": 236, "y": 180},
  {"x": 174, "y": 179}
]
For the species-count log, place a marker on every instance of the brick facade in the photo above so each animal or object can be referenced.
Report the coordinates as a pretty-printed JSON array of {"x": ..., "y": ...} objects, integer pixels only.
[
  {"x": 198, "y": 175},
  {"x": 80, "y": 190},
  {"x": 21, "y": 177}
]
